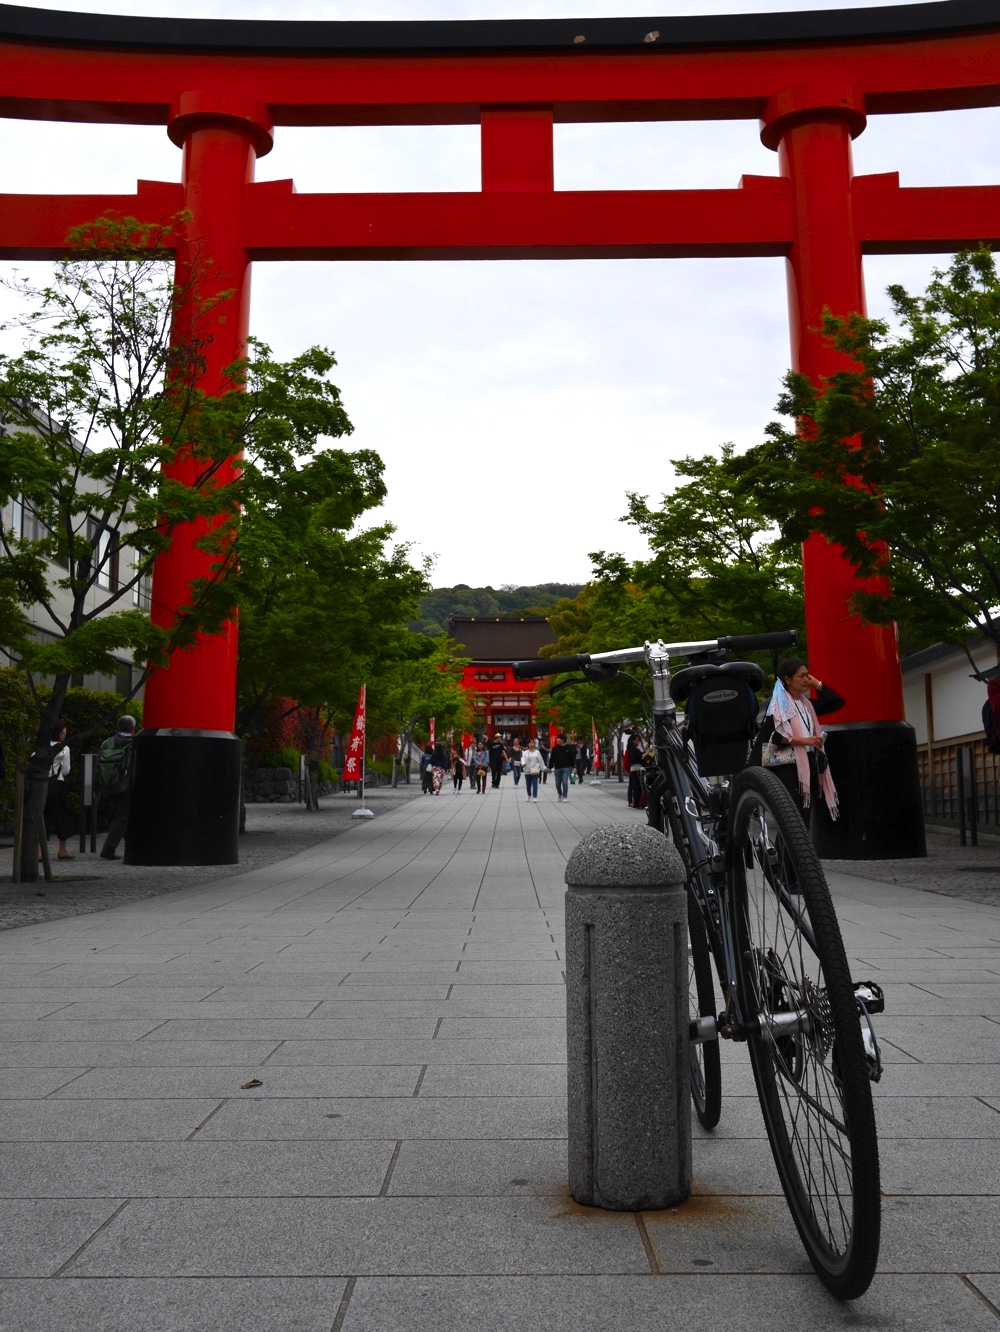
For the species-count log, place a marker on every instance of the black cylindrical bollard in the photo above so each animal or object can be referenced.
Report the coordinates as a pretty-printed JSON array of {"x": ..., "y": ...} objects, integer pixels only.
[{"x": 627, "y": 1021}]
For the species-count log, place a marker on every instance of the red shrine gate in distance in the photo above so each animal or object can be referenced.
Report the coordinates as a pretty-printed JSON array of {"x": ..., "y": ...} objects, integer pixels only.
[{"x": 222, "y": 88}]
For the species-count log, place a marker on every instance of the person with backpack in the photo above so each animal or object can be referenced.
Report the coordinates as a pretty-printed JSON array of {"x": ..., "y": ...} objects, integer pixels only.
[{"x": 114, "y": 771}]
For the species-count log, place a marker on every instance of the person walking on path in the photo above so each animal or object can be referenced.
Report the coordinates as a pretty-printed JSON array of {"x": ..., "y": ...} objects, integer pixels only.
[
  {"x": 516, "y": 755},
  {"x": 427, "y": 771},
  {"x": 790, "y": 741},
  {"x": 457, "y": 769},
  {"x": 533, "y": 765},
  {"x": 561, "y": 762},
  {"x": 58, "y": 815},
  {"x": 440, "y": 764},
  {"x": 498, "y": 757},
  {"x": 114, "y": 766},
  {"x": 480, "y": 767}
]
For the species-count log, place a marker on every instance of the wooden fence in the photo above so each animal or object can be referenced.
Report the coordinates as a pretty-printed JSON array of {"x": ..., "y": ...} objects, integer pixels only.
[{"x": 944, "y": 786}]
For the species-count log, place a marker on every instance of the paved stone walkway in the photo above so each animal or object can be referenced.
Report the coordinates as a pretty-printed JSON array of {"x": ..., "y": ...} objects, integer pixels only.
[{"x": 396, "y": 995}]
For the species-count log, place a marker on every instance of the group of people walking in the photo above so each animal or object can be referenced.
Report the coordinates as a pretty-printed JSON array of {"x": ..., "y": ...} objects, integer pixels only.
[
  {"x": 113, "y": 781},
  {"x": 489, "y": 760}
]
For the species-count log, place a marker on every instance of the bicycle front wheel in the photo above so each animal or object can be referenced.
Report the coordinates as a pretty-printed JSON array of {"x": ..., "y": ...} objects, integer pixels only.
[{"x": 805, "y": 1038}]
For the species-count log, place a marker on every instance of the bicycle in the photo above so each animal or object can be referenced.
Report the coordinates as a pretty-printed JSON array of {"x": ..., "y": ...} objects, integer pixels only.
[{"x": 760, "y": 912}]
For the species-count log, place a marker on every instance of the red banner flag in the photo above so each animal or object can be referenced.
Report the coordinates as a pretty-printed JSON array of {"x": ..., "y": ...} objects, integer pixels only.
[
  {"x": 354, "y": 763},
  {"x": 432, "y": 730},
  {"x": 595, "y": 746}
]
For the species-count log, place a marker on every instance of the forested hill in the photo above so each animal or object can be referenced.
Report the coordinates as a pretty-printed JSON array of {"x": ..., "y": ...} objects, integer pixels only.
[{"x": 442, "y": 602}]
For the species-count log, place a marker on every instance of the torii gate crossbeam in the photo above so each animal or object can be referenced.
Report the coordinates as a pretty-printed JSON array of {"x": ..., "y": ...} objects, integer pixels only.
[{"x": 221, "y": 88}]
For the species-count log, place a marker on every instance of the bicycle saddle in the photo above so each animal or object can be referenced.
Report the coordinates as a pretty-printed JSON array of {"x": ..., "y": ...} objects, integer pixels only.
[{"x": 682, "y": 682}]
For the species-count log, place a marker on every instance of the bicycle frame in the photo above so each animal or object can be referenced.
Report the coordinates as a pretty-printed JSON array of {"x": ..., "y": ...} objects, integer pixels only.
[{"x": 701, "y": 810}]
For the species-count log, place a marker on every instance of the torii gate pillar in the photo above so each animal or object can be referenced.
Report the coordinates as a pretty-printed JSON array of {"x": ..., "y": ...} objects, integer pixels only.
[
  {"x": 876, "y": 754},
  {"x": 186, "y": 798}
]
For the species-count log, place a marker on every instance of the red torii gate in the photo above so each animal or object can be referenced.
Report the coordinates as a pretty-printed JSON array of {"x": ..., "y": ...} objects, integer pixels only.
[{"x": 220, "y": 87}]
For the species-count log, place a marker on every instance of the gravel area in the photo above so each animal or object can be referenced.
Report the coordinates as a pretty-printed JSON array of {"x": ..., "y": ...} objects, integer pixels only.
[
  {"x": 274, "y": 832},
  {"x": 969, "y": 872}
]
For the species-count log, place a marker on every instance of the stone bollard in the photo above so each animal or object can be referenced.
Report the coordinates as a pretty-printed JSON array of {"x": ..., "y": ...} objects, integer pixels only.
[{"x": 627, "y": 1021}]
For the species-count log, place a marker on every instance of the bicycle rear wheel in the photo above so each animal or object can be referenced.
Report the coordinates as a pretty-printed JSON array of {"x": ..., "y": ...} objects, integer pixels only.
[
  {"x": 706, "y": 1063},
  {"x": 705, "y": 1060},
  {"x": 807, "y": 1051}
]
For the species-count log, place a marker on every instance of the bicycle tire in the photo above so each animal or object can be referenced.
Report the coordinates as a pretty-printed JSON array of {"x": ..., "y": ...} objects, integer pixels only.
[
  {"x": 812, "y": 1082},
  {"x": 705, "y": 1056}
]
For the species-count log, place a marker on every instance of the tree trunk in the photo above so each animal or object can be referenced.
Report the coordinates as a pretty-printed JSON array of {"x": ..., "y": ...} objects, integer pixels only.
[
  {"x": 36, "y": 791},
  {"x": 36, "y": 782}
]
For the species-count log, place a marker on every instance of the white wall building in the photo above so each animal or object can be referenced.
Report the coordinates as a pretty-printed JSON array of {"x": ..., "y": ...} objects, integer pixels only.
[{"x": 944, "y": 703}]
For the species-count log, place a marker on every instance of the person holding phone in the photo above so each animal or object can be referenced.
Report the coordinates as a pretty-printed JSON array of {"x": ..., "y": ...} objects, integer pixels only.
[{"x": 791, "y": 742}]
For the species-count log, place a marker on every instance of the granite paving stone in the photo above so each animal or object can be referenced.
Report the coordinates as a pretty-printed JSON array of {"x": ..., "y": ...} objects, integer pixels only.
[
  {"x": 83, "y": 994},
  {"x": 480, "y": 1169},
  {"x": 219, "y": 1082},
  {"x": 483, "y": 1051},
  {"x": 494, "y": 1080},
  {"x": 727, "y": 1233},
  {"x": 121, "y": 1006},
  {"x": 504, "y": 1028},
  {"x": 133, "y": 1054},
  {"x": 266, "y": 1305},
  {"x": 391, "y": 1236},
  {"x": 32, "y": 1083},
  {"x": 102, "y": 1121},
  {"x": 253, "y": 988},
  {"x": 930, "y": 1165},
  {"x": 291, "y": 1029},
  {"x": 86, "y": 1029},
  {"x": 988, "y": 1284},
  {"x": 36, "y": 1008},
  {"x": 41, "y": 1235},
  {"x": 940, "y": 1234},
  {"x": 322, "y": 1118},
  {"x": 196, "y": 1169}
]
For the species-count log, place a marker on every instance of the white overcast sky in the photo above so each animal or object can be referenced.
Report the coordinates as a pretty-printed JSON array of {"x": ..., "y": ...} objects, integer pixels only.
[{"x": 515, "y": 403}]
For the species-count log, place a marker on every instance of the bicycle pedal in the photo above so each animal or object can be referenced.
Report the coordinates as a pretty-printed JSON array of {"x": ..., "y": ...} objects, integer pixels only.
[
  {"x": 873, "y": 1055},
  {"x": 870, "y": 995}
]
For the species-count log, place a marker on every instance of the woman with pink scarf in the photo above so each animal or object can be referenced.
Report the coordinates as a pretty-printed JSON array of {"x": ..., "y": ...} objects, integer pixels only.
[{"x": 791, "y": 739}]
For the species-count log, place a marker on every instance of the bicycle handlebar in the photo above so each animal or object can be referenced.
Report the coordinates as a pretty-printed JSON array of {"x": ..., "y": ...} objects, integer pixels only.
[
  {"x": 532, "y": 669},
  {"x": 758, "y": 642},
  {"x": 535, "y": 667}
]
